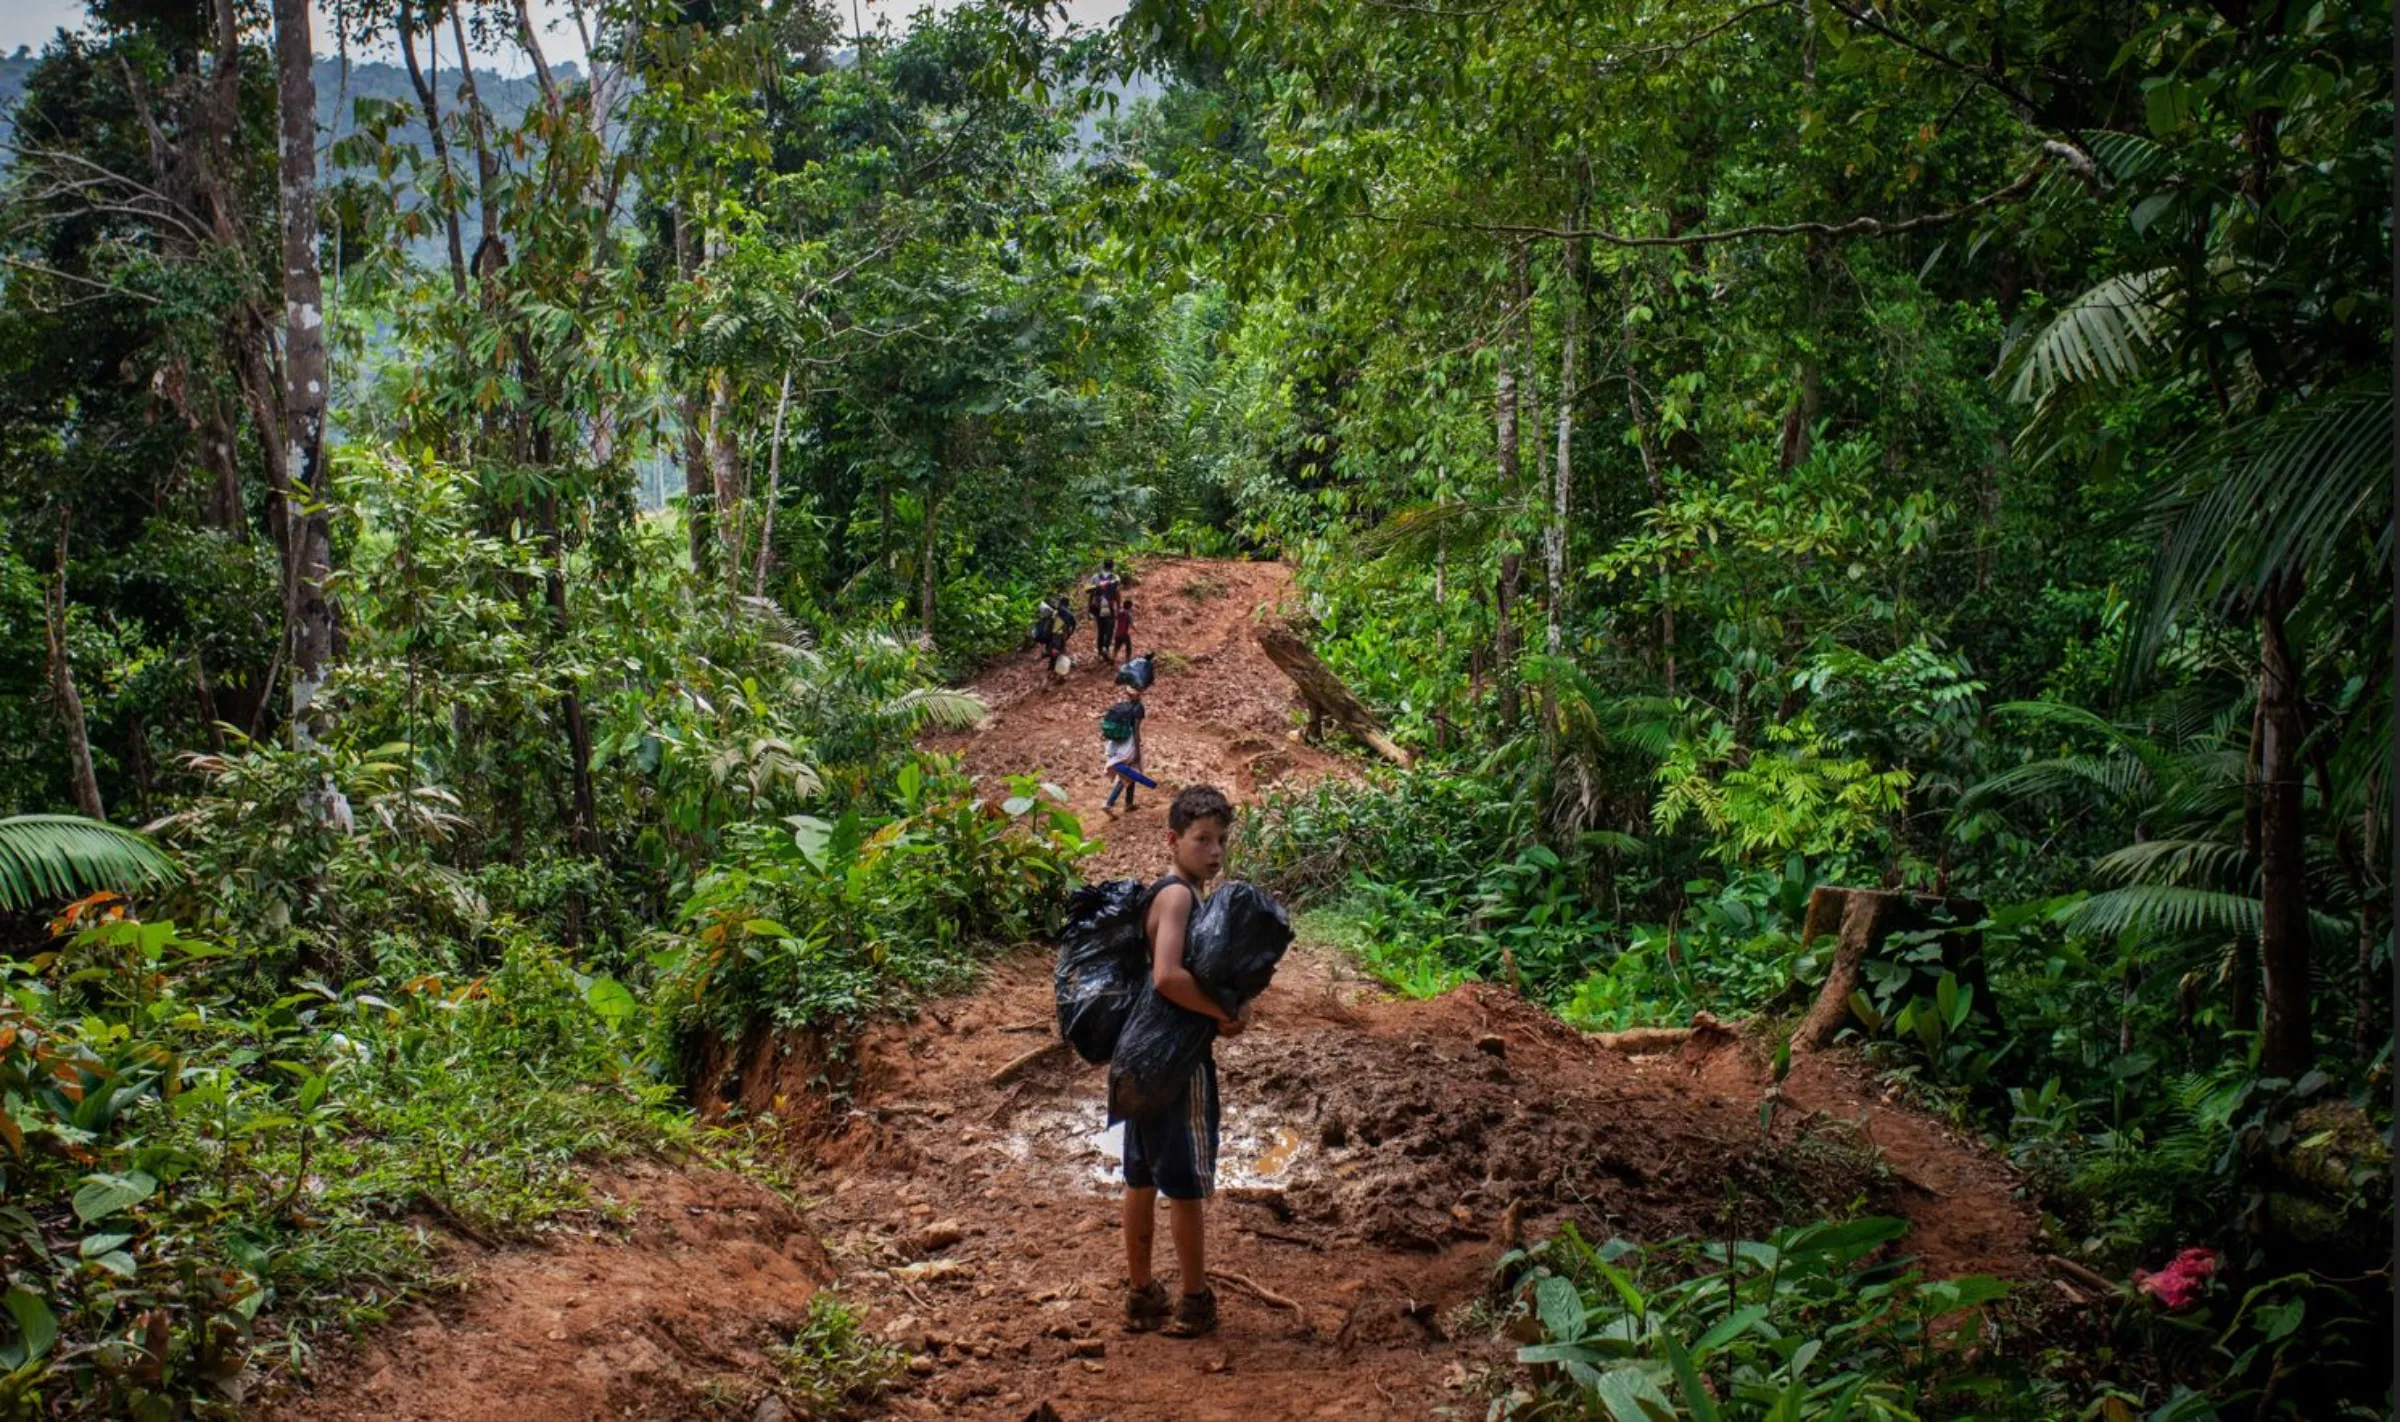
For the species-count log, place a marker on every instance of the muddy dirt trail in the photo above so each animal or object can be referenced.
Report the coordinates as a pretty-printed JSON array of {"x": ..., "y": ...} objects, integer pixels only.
[{"x": 1379, "y": 1156}]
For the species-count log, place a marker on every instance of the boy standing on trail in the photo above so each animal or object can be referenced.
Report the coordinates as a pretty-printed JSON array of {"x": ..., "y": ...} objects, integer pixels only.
[
  {"x": 1174, "y": 1152},
  {"x": 1125, "y": 626}
]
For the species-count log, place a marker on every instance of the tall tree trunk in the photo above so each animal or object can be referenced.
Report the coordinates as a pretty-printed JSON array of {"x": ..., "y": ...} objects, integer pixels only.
[
  {"x": 429, "y": 98},
  {"x": 925, "y": 579},
  {"x": 766, "y": 520},
  {"x": 2286, "y": 1045},
  {"x": 220, "y": 455},
  {"x": 1562, "y": 487},
  {"x": 725, "y": 473},
  {"x": 304, "y": 370},
  {"x": 1658, "y": 498},
  {"x": 697, "y": 485},
  {"x": 1536, "y": 472},
  {"x": 1504, "y": 640},
  {"x": 1506, "y": 594},
  {"x": 62, "y": 689},
  {"x": 491, "y": 249}
]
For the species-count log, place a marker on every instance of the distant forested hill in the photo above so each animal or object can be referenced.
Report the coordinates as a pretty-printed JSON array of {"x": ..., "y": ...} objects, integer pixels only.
[{"x": 339, "y": 88}]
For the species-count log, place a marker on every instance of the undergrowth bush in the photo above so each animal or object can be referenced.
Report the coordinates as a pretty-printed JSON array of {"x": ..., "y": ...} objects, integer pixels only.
[
  {"x": 198, "y": 1180},
  {"x": 815, "y": 921},
  {"x": 1814, "y": 1322}
]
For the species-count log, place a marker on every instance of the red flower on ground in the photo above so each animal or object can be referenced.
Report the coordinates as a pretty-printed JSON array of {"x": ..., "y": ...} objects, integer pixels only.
[{"x": 2182, "y": 1282}]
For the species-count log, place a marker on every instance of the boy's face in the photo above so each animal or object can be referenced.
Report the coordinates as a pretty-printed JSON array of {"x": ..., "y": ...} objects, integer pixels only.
[{"x": 1199, "y": 852}]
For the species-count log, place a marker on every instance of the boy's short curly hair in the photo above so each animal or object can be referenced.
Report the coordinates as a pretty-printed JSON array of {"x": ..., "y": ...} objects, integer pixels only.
[{"x": 1194, "y": 803}]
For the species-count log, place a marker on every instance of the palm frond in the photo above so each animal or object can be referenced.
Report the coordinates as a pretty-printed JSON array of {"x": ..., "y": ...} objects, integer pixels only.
[
  {"x": 2179, "y": 910},
  {"x": 49, "y": 858},
  {"x": 2270, "y": 497},
  {"x": 939, "y": 708},
  {"x": 1415, "y": 535},
  {"x": 2205, "y": 862},
  {"x": 2106, "y": 336},
  {"x": 2165, "y": 908}
]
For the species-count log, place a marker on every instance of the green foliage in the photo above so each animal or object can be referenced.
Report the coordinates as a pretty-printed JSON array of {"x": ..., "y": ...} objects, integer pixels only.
[
  {"x": 1812, "y": 1322},
  {"x": 202, "y": 1177},
  {"x": 818, "y": 922},
  {"x": 834, "y": 1367}
]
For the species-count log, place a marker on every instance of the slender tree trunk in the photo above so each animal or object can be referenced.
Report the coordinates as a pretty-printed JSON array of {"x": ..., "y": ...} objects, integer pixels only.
[
  {"x": 220, "y": 455},
  {"x": 926, "y": 583},
  {"x": 1507, "y": 414},
  {"x": 62, "y": 689},
  {"x": 1562, "y": 487},
  {"x": 1536, "y": 472},
  {"x": 2286, "y": 1044},
  {"x": 1504, "y": 641},
  {"x": 491, "y": 249},
  {"x": 697, "y": 486},
  {"x": 533, "y": 51},
  {"x": 766, "y": 519},
  {"x": 1658, "y": 499},
  {"x": 429, "y": 98},
  {"x": 304, "y": 370},
  {"x": 725, "y": 473}
]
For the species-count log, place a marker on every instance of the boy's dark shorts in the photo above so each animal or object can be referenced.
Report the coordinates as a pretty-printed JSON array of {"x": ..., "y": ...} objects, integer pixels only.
[{"x": 1175, "y": 1151}]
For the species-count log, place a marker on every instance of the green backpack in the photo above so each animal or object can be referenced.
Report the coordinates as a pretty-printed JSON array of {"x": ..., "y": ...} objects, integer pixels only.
[{"x": 1118, "y": 721}]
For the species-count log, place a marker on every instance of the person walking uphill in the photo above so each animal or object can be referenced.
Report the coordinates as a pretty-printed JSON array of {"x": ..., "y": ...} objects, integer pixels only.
[
  {"x": 1124, "y": 633},
  {"x": 1101, "y": 601},
  {"x": 1121, "y": 739},
  {"x": 1173, "y": 1152}
]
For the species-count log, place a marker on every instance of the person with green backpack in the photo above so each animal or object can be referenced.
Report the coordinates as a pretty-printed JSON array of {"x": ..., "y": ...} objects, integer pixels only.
[{"x": 1121, "y": 733}]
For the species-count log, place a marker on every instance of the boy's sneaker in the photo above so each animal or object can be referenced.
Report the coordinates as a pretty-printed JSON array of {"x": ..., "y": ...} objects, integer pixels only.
[
  {"x": 1195, "y": 1316},
  {"x": 1146, "y": 1307}
]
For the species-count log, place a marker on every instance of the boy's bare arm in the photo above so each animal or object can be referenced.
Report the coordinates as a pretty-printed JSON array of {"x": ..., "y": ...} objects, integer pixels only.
[{"x": 1170, "y": 914}]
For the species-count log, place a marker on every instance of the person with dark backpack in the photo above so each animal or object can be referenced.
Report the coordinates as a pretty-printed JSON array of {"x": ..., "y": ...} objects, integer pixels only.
[
  {"x": 1121, "y": 734},
  {"x": 1101, "y": 601}
]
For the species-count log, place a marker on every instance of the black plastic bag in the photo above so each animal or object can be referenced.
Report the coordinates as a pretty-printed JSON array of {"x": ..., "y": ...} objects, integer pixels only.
[
  {"x": 1137, "y": 673},
  {"x": 1103, "y": 964},
  {"x": 1236, "y": 940}
]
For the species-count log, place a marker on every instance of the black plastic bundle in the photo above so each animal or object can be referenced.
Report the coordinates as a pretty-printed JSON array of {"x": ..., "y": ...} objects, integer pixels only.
[
  {"x": 1137, "y": 673},
  {"x": 1103, "y": 965},
  {"x": 1236, "y": 940}
]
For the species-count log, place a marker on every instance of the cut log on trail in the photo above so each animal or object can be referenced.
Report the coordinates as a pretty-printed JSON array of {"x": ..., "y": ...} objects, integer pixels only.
[
  {"x": 1641, "y": 1041},
  {"x": 1322, "y": 690},
  {"x": 1866, "y": 919}
]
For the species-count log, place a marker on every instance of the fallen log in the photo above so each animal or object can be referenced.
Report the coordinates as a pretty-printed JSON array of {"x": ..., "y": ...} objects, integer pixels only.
[
  {"x": 1640, "y": 1041},
  {"x": 1327, "y": 698}
]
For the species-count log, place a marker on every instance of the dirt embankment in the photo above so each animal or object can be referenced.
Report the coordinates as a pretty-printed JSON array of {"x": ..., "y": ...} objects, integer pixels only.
[{"x": 1379, "y": 1156}]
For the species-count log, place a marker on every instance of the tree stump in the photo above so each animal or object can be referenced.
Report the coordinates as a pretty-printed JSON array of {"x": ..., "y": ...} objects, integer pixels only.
[{"x": 1865, "y": 919}]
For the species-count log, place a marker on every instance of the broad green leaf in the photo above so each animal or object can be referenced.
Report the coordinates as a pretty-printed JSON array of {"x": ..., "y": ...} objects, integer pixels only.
[
  {"x": 611, "y": 999},
  {"x": 36, "y": 1324},
  {"x": 104, "y": 1195},
  {"x": 1630, "y": 1395},
  {"x": 1559, "y": 1307}
]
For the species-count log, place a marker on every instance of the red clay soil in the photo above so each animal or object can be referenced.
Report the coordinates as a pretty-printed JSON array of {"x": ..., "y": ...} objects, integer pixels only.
[
  {"x": 652, "y": 1318},
  {"x": 1379, "y": 1156}
]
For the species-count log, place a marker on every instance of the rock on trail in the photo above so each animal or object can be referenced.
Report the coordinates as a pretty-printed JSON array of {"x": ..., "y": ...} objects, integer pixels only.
[{"x": 1379, "y": 1156}]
